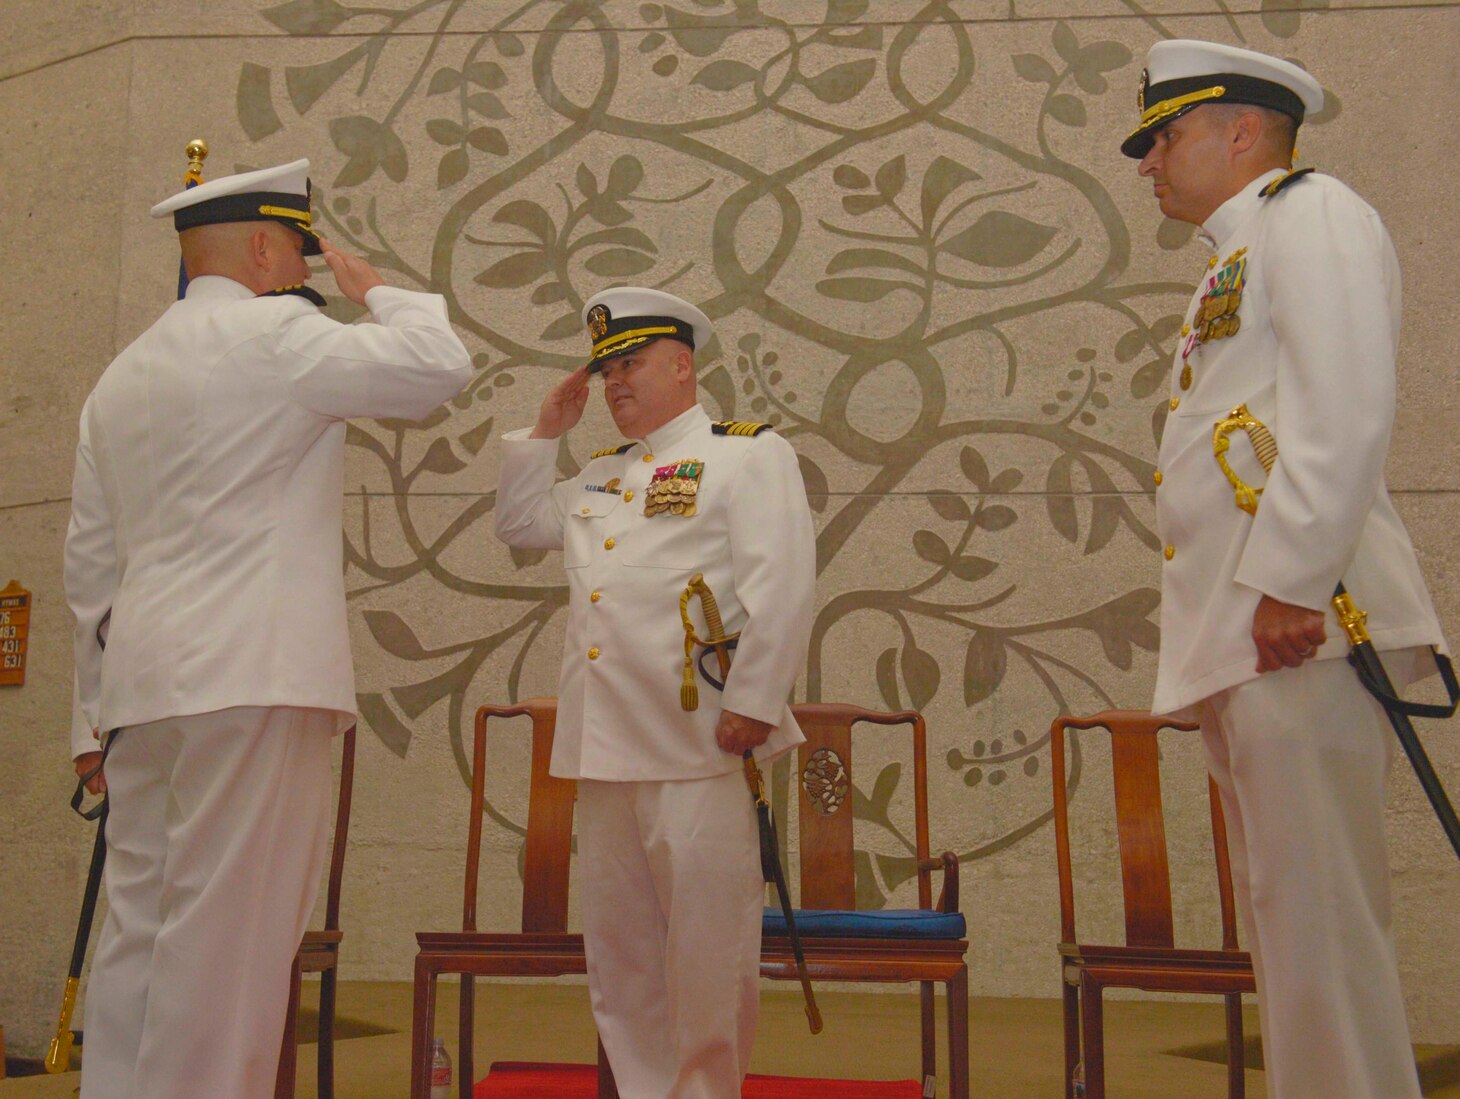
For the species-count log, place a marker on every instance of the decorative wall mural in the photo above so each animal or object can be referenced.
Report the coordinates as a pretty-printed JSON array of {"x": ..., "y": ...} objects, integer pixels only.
[{"x": 910, "y": 239}]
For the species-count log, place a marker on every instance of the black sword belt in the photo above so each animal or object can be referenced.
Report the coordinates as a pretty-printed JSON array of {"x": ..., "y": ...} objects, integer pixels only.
[
  {"x": 1362, "y": 654},
  {"x": 770, "y": 862}
]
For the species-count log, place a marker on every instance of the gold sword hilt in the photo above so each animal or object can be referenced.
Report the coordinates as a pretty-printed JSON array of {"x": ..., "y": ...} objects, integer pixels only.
[
  {"x": 58, "y": 1056},
  {"x": 689, "y": 693},
  {"x": 1239, "y": 419},
  {"x": 1350, "y": 617}
]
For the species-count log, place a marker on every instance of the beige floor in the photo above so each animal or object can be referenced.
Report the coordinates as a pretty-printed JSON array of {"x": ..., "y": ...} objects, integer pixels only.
[{"x": 1015, "y": 1044}]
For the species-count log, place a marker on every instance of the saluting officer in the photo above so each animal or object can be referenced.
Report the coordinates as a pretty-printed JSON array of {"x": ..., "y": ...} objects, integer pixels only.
[
  {"x": 672, "y": 889},
  {"x": 205, "y": 535},
  {"x": 1296, "y": 317}
]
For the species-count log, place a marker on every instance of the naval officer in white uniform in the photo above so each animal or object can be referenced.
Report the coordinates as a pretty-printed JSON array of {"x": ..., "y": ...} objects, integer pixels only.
[
  {"x": 667, "y": 832},
  {"x": 1296, "y": 317},
  {"x": 206, "y": 534}
]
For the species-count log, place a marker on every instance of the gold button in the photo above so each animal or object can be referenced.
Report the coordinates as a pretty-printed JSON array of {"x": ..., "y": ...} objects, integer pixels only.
[
  {"x": 1212, "y": 262},
  {"x": 1186, "y": 329},
  {"x": 1170, "y": 551},
  {"x": 608, "y": 543},
  {"x": 593, "y": 653},
  {"x": 648, "y": 457},
  {"x": 585, "y": 511},
  {"x": 1157, "y": 477},
  {"x": 595, "y": 597},
  {"x": 628, "y": 496},
  {"x": 1175, "y": 401}
]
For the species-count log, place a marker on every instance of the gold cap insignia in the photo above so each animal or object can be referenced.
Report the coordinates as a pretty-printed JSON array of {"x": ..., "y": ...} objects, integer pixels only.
[
  {"x": 598, "y": 322},
  {"x": 1141, "y": 90}
]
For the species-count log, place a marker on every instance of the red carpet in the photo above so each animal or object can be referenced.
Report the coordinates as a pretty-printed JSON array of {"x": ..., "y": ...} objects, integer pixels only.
[{"x": 519, "y": 1080}]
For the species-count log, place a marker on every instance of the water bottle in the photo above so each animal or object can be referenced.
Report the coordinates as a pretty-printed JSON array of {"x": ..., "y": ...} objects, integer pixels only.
[
  {"x": 440, "y": 1070},
  {"x": 1077, "y": 1080}
]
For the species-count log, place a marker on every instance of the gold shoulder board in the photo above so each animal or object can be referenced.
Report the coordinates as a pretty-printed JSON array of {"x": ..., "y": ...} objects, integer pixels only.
[
  {"x": 738, "y": 427},
  {"x": 606, "y": 451},
  {"x": 1284, "y": 181}
]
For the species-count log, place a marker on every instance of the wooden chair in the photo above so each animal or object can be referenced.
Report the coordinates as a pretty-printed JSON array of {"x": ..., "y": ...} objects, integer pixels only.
[
  {"x": 922, "y": 945},
  {"x": 1149, "y": 958},
  {"x": 319, "y": 951},
  {"x": 543, "y": 947}
]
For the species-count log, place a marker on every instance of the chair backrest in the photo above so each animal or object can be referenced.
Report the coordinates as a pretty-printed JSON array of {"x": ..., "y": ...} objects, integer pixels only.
[
  {"x": 549, "y": 840},
  {"x": 823, "y": 779},
  {"x": 342, "y": 831},
  {"x": 1140, "y": 827}
]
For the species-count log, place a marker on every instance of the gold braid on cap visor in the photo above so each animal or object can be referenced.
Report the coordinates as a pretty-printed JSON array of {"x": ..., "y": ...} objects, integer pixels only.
[
  {"x": 630, "y": 338},
  {"x": 1174, "y": 106}
]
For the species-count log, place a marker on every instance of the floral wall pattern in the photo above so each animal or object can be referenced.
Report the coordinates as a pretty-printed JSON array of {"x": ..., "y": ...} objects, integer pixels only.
[
  {"x": 927, "y": 264},
  {"x": 938, "y": 308}
]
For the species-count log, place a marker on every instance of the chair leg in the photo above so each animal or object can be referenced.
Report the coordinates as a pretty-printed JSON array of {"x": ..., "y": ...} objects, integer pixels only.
[
  {"x": 423, "y": 1024},
  {"x": 326, "y": 1054},
  {"x": 958, "y": 1035},
  {"x": 930, "y": 1037},
  {"x": 1093, "y": 1035},
  {"x": 288, "y": 1045},
  {"x": 1072, "y": 1035},
  {"x": 1236, "y": 1055},
  {"x": 465, "y": 1064},
  {"x": 607, "y": 1086}
]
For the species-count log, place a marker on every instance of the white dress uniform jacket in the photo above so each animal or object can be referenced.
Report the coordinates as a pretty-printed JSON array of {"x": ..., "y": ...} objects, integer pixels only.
[
  {"x": 1313, "y": 359},
  {"x": 619, "y": 714},
  {"x": 206, "y": 509}
]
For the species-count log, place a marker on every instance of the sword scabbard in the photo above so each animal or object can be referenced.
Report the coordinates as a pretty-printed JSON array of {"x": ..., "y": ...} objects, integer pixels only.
[{"x": 58, "y": 1056}]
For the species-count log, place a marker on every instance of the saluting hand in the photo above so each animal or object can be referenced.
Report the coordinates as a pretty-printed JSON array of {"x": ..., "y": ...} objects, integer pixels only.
[
  {"x": 737, "y": 734},
  {"x": 563, "y": 406},
  {"x": 1285, "y": 634},
  {"x": 353, "y": 273}
]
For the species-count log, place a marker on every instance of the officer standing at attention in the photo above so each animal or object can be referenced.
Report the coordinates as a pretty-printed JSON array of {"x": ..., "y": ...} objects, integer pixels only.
[
  {"x": 1297, "y": 319},
  {"x": 205, "y": 547},
  {"x": 672, "y": 889}
]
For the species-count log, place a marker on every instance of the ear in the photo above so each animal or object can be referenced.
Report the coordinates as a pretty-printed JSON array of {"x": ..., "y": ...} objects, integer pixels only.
[
  {"x": 260, "y": 250},
  {"x": 684, "y": 364},
  {"x": 1245, "y": 131}
]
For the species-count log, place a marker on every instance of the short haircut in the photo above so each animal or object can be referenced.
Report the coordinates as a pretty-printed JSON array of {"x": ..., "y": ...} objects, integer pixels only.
[{"x": 1279, "y": 131}]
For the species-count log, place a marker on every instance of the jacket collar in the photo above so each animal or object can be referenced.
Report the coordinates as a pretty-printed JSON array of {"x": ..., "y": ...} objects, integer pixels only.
[
  {"x": 1227, "y": 218},
  {"x": 216, "y": 288},
  {"x": 677, "y": 430}
]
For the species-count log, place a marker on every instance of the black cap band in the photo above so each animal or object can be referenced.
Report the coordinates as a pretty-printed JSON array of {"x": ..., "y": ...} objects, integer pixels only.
[
  {"x": 1164, "y": 102},
  {"x": 285, "y": 208},
  {"x": 620, "y": 334}
]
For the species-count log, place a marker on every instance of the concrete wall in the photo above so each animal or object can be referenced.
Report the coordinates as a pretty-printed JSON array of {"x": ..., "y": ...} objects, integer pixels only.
[{"x": 927, "y": 262}]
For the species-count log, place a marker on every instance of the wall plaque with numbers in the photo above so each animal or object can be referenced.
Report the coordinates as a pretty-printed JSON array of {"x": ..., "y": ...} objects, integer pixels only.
[{"x": 14, "y": 628}]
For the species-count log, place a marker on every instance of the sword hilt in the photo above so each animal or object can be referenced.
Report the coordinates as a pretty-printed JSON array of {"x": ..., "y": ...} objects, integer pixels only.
[{"x": 1239, "y": 419}]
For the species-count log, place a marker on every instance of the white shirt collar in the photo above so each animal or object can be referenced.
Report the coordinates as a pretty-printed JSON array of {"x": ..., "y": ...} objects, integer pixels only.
[{"x": 1229, "y": 216}]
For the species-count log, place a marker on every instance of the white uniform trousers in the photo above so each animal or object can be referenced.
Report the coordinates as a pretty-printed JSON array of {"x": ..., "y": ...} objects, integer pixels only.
[
  {"x": 216, "y": 839},
  {"x": 672, "y": 902},
  {"x": 1300, "y": 756}
]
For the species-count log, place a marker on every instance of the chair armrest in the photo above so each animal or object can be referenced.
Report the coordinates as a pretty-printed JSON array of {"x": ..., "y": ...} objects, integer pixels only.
[{"x": 948, "y": 863}]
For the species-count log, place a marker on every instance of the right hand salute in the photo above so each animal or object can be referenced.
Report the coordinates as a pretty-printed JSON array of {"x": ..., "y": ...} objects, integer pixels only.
[
  {"x": 563, "y": 406},
  {"x": 353, "y": 273}
]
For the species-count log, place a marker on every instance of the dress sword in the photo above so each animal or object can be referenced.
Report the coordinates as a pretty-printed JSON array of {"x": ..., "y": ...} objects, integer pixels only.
[
  {"x": 1362, "y": 654},
  {"x": 770, "y": 862}
]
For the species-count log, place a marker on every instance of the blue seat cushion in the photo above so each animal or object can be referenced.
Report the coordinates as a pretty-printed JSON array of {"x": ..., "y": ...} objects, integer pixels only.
[{"x": 884, "y": 923}]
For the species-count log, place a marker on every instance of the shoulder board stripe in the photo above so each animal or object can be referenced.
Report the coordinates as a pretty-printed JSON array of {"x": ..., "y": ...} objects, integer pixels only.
[
  {"x": 738, "y": 427},
  {"x": 1284, "y": 181},
  {"x": 608, "y": 450}
]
